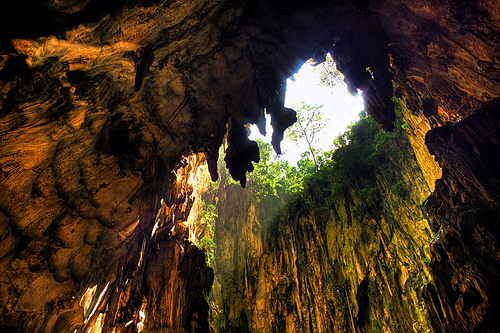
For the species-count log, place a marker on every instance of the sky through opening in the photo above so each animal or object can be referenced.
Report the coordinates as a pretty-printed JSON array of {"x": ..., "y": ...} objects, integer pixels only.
[{"x": 340, "y": 109}]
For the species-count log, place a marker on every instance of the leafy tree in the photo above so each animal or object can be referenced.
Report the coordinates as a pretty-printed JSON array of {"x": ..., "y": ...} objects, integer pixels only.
[
  {"x": 274, "y": 179},
  {"x": 208, "y": 215},
  {"x": 309, "y": 124},
  {"x": 330, "y": 174},
  {"x": 359, "y": 150}
]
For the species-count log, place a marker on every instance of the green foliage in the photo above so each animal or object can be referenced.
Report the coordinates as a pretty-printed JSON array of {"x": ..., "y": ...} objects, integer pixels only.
[
  {"x": 208, "y": 245},
  {"x": 355, "y": 158},
  {"x": 381, "y": 139},
  {"x": 341, "y": 140},
  {"x": 274, "y": 180},
  {"x": 309, "y": 123},
  {"x": 208, "y": 215},
  {"x": 332, "y": 174},
  {"x": 207, "y": 241},
  {"x": 325, "y": 176},
  {"x": 400, "y": 189},
  {"x": 360, "y": 150},
  {"x": 399, "y": 110}
]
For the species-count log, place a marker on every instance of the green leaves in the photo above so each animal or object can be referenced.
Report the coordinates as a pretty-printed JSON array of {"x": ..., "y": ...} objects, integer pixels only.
[
  {"x": 323, "y": 175},
  {"x": 358, "y": 151},
  {"x": 208, "y": 215},
  {"x": 274, "y": 179},
  {"x": 309, "y": 124}
]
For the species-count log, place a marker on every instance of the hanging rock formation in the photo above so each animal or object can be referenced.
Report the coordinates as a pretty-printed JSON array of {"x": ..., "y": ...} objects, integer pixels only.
[{"x": 99, "y": 101}]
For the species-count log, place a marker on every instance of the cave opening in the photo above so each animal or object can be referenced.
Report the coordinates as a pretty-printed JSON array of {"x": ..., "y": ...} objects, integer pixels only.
[
  {"x": 349, "y": 222},
  {"x": 318, "y": 85}
]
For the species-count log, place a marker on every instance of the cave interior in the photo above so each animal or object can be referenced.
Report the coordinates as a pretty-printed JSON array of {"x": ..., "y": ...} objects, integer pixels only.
[{"x": 100, "y": 102}]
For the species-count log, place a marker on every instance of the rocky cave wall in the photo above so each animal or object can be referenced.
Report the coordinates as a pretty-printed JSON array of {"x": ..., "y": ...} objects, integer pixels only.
[
  {"x": 99, "y": 102},
  {"x": 350, "y": 260}
]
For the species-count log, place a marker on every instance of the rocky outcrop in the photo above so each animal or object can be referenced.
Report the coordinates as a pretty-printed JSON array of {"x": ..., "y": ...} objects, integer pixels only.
[
  {"x": 99, "y": 101},
  {"x": 443, "y": 55},
  {"x": 464, "y": 295},
  {"x": 109, "y": 279}
]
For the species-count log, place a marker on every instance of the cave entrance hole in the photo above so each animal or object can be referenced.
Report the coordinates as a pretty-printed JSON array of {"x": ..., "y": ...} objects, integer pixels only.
[{"x": 323, "y": 86}]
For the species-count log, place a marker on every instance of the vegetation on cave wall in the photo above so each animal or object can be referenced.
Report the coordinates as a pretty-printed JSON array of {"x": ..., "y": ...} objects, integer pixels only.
[{"x": 339, "y": 248}]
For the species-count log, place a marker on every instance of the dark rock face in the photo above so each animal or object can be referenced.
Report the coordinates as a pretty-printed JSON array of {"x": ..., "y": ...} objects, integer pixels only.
[
  {"x": 465, "y": 211},
  {"x": 100, "y": 100},
  {"x": 443, "y": 55},
  {"x": 241, "y": 152}
]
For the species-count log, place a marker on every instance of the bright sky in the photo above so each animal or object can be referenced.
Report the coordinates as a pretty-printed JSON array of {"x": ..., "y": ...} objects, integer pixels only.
[{"x": 340, "y": 109}]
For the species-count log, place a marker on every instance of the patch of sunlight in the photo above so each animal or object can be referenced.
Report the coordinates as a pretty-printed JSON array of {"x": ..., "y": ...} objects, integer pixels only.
[
  {"x": 87, "y": 297},
  {"x": 340, "y": 109},
  {"x": 95, "y": 302}
]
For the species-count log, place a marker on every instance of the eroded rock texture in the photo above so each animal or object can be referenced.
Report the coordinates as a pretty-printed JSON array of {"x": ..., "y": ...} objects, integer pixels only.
[
  {"x": 344, "y": 256},
  {"x": 100, "y": 100},
  {"x": 465, "y": 211}
]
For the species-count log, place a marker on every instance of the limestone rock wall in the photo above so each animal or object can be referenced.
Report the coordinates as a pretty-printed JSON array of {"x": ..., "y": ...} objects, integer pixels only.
[
  {"x": 144, "y": 276},
  {"x": 444, "y": 54},
  {"x": 354, "y": 261},
  {"x": 465, "y": 213}
]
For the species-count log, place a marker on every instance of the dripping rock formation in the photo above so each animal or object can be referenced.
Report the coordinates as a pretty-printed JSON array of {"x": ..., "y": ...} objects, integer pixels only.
[{"x": 100, "y": 102}]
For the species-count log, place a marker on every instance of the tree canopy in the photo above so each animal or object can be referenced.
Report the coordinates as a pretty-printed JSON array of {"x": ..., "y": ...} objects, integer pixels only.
[
  {"x": 309, "y": 124},
  {"x": 358, "y": 150}
]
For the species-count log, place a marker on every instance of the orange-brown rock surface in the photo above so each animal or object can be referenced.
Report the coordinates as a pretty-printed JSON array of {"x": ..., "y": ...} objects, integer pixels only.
[
  {"x": 465, "y": 213},
  {"x": 99, "y": 101}
]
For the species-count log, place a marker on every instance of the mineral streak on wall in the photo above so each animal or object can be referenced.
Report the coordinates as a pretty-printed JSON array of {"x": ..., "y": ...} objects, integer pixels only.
[{"x": 100, "y": 101}]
